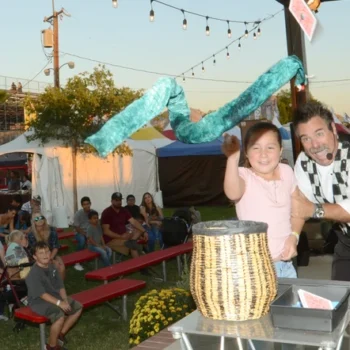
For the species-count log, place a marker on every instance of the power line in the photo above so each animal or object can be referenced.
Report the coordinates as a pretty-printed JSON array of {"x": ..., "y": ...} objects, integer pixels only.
[
  {"x": 40, "y": 71},
  {"x": 176, "y": 76}
]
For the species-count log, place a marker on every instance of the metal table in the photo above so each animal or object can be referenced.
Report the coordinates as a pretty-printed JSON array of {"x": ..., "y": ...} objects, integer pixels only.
[{"x": 260, "y": 330}]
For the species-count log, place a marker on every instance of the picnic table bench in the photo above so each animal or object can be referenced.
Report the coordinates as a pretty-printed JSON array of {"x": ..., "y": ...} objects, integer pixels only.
[{"x": 132, "y": 265}]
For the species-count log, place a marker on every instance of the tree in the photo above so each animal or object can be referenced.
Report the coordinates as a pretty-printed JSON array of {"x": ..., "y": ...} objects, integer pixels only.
[
  {"x": 284, "y": 103},
  {"x": 3, "y": 96},
  {"x": 72, "y": 113}
]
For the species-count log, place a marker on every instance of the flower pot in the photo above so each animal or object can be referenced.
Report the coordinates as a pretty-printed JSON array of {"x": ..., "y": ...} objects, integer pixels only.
[{"x": 232, "y": 272}]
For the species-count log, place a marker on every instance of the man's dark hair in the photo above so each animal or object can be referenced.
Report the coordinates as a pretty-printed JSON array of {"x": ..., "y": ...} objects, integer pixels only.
[
  {"x": 85, "y": 199},
  {"x": 12, "y": 208},
  {"x": 312, "y": 109},
  {"x": 17, "y": 199},
  {"x": 39, "y": 245},
  {"x": 130, "y": 196},
  {"x": 92, "y": 213}
]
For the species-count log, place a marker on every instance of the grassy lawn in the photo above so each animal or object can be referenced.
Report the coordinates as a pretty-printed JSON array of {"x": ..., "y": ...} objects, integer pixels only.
[{"x": 99, "y": 327}]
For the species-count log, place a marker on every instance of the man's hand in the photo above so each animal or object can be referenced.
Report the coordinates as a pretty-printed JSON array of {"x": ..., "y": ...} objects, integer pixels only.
[
  {"x": 290, "y": 248},
  {"x": 302, "y": 208},
  {"x": 65, "y": 306},
  {"x": 231, "y": 146}
]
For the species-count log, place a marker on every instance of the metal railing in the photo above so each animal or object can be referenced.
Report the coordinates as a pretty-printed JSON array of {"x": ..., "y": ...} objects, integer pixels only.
[{"x": 33, "y": 86}]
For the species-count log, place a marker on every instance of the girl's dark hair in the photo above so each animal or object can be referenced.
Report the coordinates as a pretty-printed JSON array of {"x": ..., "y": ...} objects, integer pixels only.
[{"x": 257, "y": 130}]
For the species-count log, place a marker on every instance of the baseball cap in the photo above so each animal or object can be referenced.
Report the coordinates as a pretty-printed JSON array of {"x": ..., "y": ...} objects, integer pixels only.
[
  {"x": 36, "y": 199},
  {"x": 117, "y": 195}
]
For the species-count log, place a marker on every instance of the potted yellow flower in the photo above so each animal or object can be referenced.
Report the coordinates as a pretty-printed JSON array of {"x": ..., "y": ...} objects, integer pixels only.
[{"x": 156, "y": 310}]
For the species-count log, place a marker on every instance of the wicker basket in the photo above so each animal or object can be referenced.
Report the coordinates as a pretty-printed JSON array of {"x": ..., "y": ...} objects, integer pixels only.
[{"x": 232, "y": 273}]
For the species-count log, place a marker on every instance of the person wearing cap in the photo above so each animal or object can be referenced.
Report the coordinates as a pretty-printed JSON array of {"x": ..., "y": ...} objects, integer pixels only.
[
  {"x": 115, "y": 233},
  {"x": 32, "y": 206}
]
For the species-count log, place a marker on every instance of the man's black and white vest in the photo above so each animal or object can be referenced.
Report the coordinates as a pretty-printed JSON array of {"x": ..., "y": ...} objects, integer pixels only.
[{"x": 340, "y": 175}]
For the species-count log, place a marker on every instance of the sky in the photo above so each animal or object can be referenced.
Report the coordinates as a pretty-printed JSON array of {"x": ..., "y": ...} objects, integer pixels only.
[{"x": 125, "y": 36}]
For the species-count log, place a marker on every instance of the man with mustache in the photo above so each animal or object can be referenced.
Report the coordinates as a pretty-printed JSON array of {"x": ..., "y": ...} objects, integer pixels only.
[{"x": 322, "y": 172}]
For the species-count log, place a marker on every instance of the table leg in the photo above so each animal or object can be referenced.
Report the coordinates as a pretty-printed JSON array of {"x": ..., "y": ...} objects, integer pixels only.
[{"x": 222, "y": 343}]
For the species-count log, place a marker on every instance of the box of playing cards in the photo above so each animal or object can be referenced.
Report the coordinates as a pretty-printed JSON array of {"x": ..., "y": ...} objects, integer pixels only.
[{"x": 313, "y": 308}]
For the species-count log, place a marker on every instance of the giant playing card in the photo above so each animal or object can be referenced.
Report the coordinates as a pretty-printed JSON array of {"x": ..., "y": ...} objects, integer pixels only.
[{"x": 304, "y": 16}]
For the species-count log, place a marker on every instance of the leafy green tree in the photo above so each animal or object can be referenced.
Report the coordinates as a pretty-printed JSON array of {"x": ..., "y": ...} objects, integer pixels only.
[
  {"x": 72, "y": 113},
  {"x": 284, "y": 103}
]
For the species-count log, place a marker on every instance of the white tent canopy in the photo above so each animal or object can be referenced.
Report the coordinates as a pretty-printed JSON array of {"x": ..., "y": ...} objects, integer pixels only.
[{"x": 97, "y": 177}]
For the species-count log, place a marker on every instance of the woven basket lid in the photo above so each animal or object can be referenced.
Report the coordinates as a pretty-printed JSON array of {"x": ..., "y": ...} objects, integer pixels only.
[{"x": 228, "y": 227}]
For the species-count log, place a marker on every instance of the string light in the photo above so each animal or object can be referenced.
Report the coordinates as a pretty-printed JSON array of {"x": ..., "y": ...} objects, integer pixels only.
[
  {"x": 246, "y": 30},
  {"x": 214, "y": 60},
  {"x": 254, "y": 36},
  {"x": 239, "y": 44},
  {"x": 227, "y": 53},
  {"x": 115, "y": 3},
  {"x": 151, "y": 13},
  {"x": 259, "y": 31},
  {"x": 183, "y": 78},
  {"x": 203, "y": 69},
  {"x": 184, "y": 22},
  {"x": 207, "y": 29},
  {"x": 192, "y": 72},
  {"x": 229, "y": 34}
]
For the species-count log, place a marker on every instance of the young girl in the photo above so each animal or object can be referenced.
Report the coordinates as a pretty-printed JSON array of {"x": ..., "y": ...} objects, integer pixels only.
[
  {"x": 262, "y": 191},
  {"x": 41, "y": 231},
  {"x": 153, "y": 217},
  {"x": 7, "y": 223}
]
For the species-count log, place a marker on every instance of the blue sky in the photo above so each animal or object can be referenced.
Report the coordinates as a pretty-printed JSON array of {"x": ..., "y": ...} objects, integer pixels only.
[{"x": 125, "y": 36}]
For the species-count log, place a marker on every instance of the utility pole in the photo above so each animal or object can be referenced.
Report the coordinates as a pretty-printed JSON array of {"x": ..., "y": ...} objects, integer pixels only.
[{"x": 53, "y": 20}]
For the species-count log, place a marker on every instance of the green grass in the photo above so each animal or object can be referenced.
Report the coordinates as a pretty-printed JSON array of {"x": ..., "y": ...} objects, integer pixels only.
[{"x": 99, "y": 327}]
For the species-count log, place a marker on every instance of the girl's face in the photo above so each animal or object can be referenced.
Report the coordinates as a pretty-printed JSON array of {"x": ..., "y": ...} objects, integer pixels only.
[
  {"x": 148, "y": 199},
  {"x": 39, "y": 220},
  {"x": 264, "y": 153},
  {"x": 22, "y": 241}
]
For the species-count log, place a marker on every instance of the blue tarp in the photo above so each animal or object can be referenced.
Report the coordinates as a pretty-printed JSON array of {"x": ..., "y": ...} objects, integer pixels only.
[{"x": 178, "y": 148}]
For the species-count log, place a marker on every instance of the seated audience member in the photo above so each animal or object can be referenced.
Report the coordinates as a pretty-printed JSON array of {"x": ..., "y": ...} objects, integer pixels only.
[
  {"x": 42, "y": 232},
  {"x": 13, "y": 183},
  {"x": 81, "y": 223},
  {"x": 23, "y": 223},
  {"x": 96, "y": 242},
  {"x": 26, "y": 185},
  {"x": 114, "y": 220},
  {"x": 7, "y": 223},
  {"x": 153, "y": 216},
  {"x": 32, "y": 206},
  {"x": 47, "y": 296},
  {"x": 16, "y": 254},
  {"x": 133, "y": 209}
]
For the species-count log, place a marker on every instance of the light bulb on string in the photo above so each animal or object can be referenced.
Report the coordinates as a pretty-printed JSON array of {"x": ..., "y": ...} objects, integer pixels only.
[
  {"x": 229, "y": 33},
  {"x": 183, "y": 77},
  {"x": 192, "y": 72},
  {"x": 115, "y": 3},
  {"x": 207, "y": 29},
  {"x": 184, "y": 22},
  {"x": 203, "y": 69},
  {"x": 214, "y": 60},
  {"x": 239, "y": 44},
  {"x": 227, "y": 53},
  {"x": 254, "y": 36},
  {"x": 246, "y": 30},
  {"x": 259, "y": 31},
  {"x": 151, "y": 13}
]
